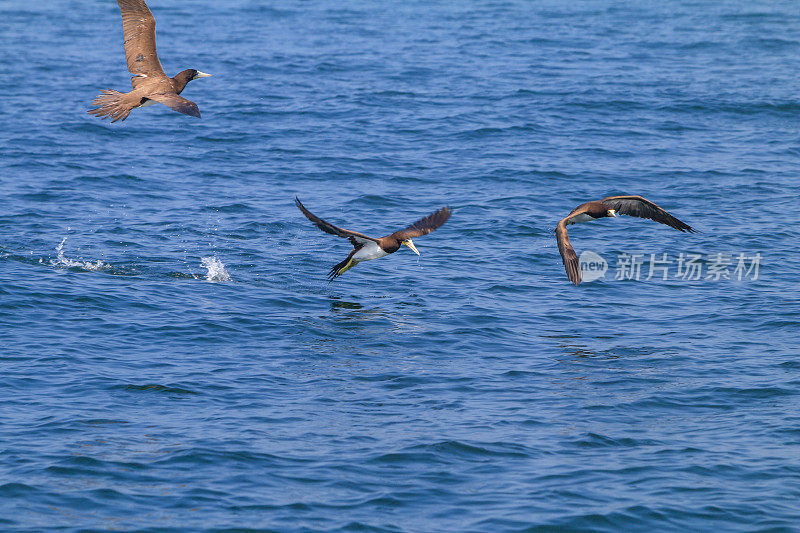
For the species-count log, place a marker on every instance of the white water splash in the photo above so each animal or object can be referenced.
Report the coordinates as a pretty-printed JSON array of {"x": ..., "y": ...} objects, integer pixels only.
[
  {"x": 216, "y": 270},
  {"x": 66, "y": 262}
]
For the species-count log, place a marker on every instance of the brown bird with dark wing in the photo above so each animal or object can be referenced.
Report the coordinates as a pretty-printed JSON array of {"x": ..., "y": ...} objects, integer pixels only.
[
  {"x": 368, "y": 248},
  {"x": 150, "y": 83},
  {"x": 635, "y": 206}
]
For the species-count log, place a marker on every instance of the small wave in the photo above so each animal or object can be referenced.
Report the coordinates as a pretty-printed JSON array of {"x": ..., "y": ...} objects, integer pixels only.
[
  {"x": 216, "y": 269},
  {"x": 155, "y": 387},
  {"x": 62, "y": 261},
  {"x": 229, "y": 208}
]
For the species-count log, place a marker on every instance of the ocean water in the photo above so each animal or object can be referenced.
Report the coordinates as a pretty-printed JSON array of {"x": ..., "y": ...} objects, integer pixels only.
[{"x": 173, "y": 358}]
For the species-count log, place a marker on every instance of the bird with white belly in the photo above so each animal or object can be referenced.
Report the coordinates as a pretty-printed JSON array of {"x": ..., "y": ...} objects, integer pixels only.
[{"x": 368, "y": 248}]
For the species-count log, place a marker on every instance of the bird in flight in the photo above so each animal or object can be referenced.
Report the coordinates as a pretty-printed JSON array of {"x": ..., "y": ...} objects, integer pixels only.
[
  {"x": 368, "y": 248},
  {"x": 150, "y": 84},
  {"x": 635, "y": 206}
]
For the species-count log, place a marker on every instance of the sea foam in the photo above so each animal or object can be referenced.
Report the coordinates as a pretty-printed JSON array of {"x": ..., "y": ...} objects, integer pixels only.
[
  {"x": 62, "y": 261},
  {"x": 216, "y": 269}
]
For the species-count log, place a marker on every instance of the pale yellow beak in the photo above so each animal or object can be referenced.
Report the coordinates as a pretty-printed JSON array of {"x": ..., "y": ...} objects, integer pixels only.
[
  {"x": 201, "y": 75},
  {"x": 410, "y": 244},
  {"x": 612, "y": 212}
]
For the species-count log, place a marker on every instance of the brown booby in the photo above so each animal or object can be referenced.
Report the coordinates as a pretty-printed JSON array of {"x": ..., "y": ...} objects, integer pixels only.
[
  {"x": 635, "y": 206},
  {"x": 150, "y": 83},
  {"x": 368, "y": 248}
]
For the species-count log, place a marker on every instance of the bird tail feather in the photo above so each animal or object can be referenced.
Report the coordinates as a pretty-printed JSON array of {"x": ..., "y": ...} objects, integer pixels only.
[
  {"x": 111, "y": 104},
  {"x": 341, "y": 268}
]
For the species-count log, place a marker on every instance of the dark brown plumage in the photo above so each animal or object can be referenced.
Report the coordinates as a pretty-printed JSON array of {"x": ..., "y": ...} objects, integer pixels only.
[
  {"x": 150, "y": 82},
  {"x": 367, "y": 248},
  {"x": 635, "y": 206}
]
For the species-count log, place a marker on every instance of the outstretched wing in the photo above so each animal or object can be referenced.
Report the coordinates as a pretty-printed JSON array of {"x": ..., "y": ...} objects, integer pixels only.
[
  {"x": 580, "y": 210},
  {"x": 636, "y": 206},
  {"x": 139, "y": 29},
  {"x": 425, "y": 225},
  {"x": 177, "y": 103},
  {"x": 357, "y": 239},
  {"x": 568, "y": 255}
]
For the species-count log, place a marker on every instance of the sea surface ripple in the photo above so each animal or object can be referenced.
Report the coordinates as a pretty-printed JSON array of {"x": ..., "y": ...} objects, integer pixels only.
[{"x": 173, "y": 358}]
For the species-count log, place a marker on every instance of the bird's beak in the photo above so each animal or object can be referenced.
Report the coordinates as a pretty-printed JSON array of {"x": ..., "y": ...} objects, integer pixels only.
[
  {"x": 410, "y": 244},
  {"x": 201, "y": 75},
  {"x": 612, "y": 212}
]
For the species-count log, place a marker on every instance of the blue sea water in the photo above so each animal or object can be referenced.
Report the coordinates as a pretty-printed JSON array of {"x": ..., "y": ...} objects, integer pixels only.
[{"x": 173, "y": 358}]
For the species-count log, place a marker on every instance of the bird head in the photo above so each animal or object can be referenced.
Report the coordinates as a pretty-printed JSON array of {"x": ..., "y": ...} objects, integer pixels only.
[
  {"x": 410, "y": 244},
  {"x": 185, "y": 76},
  {"x": 197, "y": 74}
]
